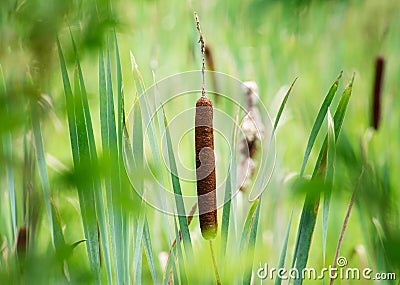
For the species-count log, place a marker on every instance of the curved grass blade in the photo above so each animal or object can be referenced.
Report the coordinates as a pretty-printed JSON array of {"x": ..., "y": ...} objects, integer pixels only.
[
  {"x": 282, "y": 258},
  {"x": 7, "y": 149},
  {"x": 181, "y": 262},
  {"x": 115, "y": 179},
  {"x": 59, "y": 241},
  {"x": 328, "y": 180},
  {"x": 80, "y": 154},
  {"x": 137, "y": 251},
  {"x": 311, "y": 204},
  {"x": 183, "y": 223},
  {"x": 318, "y": 121},
  {"x": 252, "y": 243},
  {"x": 149, "y": 251},
  {"x": 247, "y": 225},
  {"x": 85, "y": 188},
  {"x": 282, "y": 107},
  {"x": 100, "y": 209},
  {"x": 226, "y": 212},
  {"x": 41, "y": 161},
  {"x": 172, "y": 251}
]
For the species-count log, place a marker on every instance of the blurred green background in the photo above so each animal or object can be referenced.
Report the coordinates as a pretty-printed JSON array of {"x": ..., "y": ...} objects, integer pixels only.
[{"x": 269, "y": 42}]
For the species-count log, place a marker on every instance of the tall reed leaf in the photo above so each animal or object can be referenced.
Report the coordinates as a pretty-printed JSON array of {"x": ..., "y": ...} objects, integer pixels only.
[
  {"x": 40, "y": 156},
  {"x": 311, "y": 204},
  {"x": 318, "y": 121},
  {"x": 100, "y": 209},
  {"x": 85, "y": 188},
  {"x": 81, "y": 156},
  {"x": 282, "y": 258},
  {"x": 328, "y": 180},
  {"x": 183, "y": 223}
]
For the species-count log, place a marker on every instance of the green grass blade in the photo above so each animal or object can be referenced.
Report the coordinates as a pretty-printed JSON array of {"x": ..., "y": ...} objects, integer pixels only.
[
  {"x": 7, "y": 149},
  {"x": 328, "y": 181},
  {"x": 59, "y": 240},
  {"x": 100, "y": 209},
  {"x": 182, "y": 268},
  {"x": 183, "y": 223},
  {"x": 85, "y": 188},
  {"x": 247, "y": 225},
  {"x": 137, "y": 251},
  {"x": 338, "y": 119},
  {"x": 103, "y": 102},
  {"x": 252, "y": 243},
  {"x": 282, "y": 106},
  {"x": 122, "y": 175},
  {"x": 115, "y": 179},
  {"x": 149, "y": 251},
  {"x": 80, "y": 153},
  {"x": 282, "y": 258},
  {"x": 318, "y": 122},
  {"x": 70, "y": 105},
  {"x": 311, "y": 204},
  {"x": 104, "y": 126},
  {"x": 170, "y": 265},
  {"x": 43, "y": 175},
  {"x": 226, "y": 212}
]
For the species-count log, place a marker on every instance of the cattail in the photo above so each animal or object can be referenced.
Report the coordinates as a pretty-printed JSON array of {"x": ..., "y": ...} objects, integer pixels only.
[
  {"x": 205, "y": 168},
  {"x": 252, "y": 128},
  {"x": 376, "y": 104},
  {"x": 205, "y": 159},
  {"x": 22, "y": 242}
]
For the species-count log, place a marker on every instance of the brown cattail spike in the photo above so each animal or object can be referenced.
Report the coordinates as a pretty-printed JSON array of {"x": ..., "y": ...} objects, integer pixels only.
[
  {"x": 205, "y": 168},
  {"x": 376, "y": 104},
  {"x": 22, "y": 242}
]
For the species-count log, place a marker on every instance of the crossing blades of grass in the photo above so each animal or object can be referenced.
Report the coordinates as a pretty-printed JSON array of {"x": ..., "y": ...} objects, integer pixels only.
[
  {"x": 85, "y": 188},
  {"x": 7, "y": 149},
  {"x": 172, "y": 251},
  {"x": 183, "y": 223},
  {"x": 252, "y": 243},
  {"x": 123, "y": 176},
  {"x": 318, "y": 121},
  {"x": 59, "y": 241},
  {"x": 100, "y": 209},
  {"x": 247, "y": 225},
  {"x": 80, "y": 154},
  {"x": 137, "y": 251},
  {"x": 311, "y": 204},
  {"x": 181, "y": 261},
  {"x": 251, "y": 224},
  {"x": 149, "y": 250},
  {"x": 44, "y": 179}
]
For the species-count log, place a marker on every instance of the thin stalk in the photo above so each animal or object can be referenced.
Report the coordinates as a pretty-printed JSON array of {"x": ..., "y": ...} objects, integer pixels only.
[
  {"x": 215, "y": 264},
  {"x": 346, "y": 220}
]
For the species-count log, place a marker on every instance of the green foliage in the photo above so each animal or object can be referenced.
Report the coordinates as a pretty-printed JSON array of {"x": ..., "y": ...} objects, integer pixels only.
[{"x": 70, "y": 214}]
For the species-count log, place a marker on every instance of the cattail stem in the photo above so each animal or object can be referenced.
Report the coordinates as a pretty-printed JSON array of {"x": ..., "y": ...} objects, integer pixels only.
[
  {"x": 376, "y": 104},
  {"x": 203, "y": 61},
  {"x": 214, "y": 264}
]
